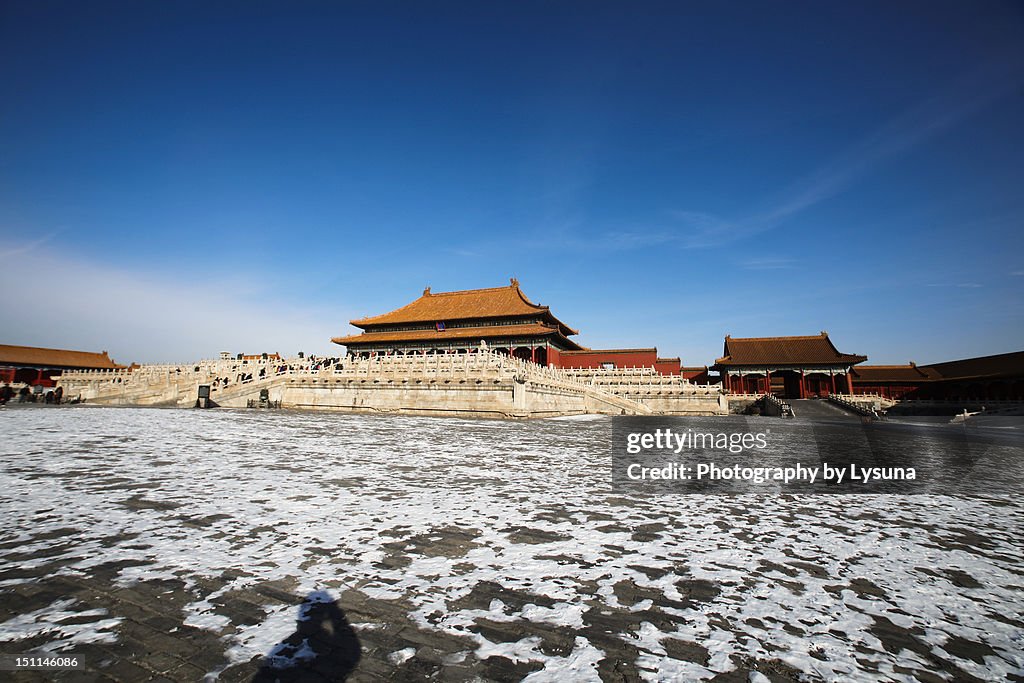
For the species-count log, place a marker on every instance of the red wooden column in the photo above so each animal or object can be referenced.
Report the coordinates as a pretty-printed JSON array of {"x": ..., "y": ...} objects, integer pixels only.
[
  {"x": 728, "y": 382},
  {"x": 767, "y": 381},
  {"x": 533, "y": 354},
  {"x": 849, "y": 383},
  {"x": 833, "y": 376},
  {"x": 803, "y": 390}
]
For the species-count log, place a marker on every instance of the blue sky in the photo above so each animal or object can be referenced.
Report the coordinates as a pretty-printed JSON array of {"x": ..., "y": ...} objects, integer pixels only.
[{"x": 178, "y": 179}]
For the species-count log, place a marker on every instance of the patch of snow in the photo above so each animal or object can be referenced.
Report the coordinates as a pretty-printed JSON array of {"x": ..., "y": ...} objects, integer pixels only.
[
  {"x": 401, "y": 656},
  {"x": 312, "y": 499}
]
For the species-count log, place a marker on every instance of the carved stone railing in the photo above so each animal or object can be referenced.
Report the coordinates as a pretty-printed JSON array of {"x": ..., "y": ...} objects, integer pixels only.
[
  {"x": 622, "y": 389},
  {"x": 870, "y": 400},
  {"x": 639, "y": 382},
  {"x": 776, "y": 406},
  {"x": 161, "y": 383},
  {"x": 1006, "y": 402},
  {"x": 853, "y": 406},
  {"x": 479, "y": 362}
]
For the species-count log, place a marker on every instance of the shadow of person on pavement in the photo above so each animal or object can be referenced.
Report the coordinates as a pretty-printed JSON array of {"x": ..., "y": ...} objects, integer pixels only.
[{"x": 323, "y": 647}]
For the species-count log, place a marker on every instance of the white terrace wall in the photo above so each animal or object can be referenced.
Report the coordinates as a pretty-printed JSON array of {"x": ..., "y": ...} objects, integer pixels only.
[
  {"x": 660, "y": 394},
  {"x": 499, "y": 398},
  {"x": 480, "y": 384},
  {"x": 168, "y": 384}
]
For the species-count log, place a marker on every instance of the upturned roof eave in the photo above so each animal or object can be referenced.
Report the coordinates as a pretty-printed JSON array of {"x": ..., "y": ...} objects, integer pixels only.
[
  {"x": 454, "y": 335},
  {"x": 849, "y": 359}
]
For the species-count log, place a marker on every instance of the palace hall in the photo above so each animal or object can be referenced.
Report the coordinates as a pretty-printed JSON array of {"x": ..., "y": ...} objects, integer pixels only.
[
  {"x": 38, "y": 366},
  {"x": 501, "y": 318},
  {"x": 788, "y": 367}
]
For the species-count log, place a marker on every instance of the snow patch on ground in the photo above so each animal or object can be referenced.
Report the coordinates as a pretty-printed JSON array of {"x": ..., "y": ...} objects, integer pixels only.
[
  {"x": 321, "y": 500},
  {"x": 62, "y": 625}
]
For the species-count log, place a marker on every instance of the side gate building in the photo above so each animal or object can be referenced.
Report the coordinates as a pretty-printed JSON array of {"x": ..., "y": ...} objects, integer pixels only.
[{"x": 788, "y": 367}]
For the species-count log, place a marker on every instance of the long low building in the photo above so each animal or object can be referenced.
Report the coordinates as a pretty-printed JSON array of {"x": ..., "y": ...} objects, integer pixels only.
[
  {"x": 996, "y": 377},
  {"x": 37, "y": 366},
  {"x": 610, "y": 359}
]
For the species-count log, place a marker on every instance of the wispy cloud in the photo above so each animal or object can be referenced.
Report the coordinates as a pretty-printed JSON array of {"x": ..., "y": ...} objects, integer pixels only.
[
  {"x": 465, "y": 253},
  {"x": 695, "y": 229},
  {"x": 959, "y": 100},
  {"x": 768, "y": 264},
  {"x": 25, "y": 248},
  {"x": 961, "y": 285},
  {"x": 635, "y": 239},
  {"x": 151, "y": 317}
]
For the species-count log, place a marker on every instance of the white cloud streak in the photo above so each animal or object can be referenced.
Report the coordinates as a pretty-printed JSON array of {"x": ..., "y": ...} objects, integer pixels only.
[
  {"x": 26, "y": 248},
  {"x": 58, "y": 302},
  {"x": 769, "y": 264},
  {"x": 958, "y": 101}
]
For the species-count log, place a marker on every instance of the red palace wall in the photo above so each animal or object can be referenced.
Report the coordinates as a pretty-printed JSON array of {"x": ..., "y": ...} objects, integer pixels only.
[
  {"x": 668, "y": 366},
  {"x": 697, "y": 375},
  {"x": 625, "y": 358},
  {"x": 894, "y": 391},
  {"x": 31, "y": 376}
]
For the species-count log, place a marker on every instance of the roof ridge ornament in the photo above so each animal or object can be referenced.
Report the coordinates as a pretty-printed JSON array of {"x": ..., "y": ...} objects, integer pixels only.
[
  {"x": 426, "y": 291},
  {"x": 514, "y": 282}
]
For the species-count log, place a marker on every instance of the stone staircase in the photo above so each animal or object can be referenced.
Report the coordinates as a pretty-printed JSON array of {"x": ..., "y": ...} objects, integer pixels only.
[{"x": 820, "y": 409}]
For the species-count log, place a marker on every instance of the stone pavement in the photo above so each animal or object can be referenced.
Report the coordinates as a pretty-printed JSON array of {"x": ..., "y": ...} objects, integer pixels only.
[
  {"x": 153, "y": 643},
  {"x": 250, "y": 546}
]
